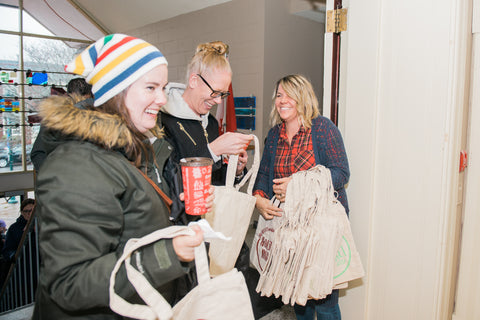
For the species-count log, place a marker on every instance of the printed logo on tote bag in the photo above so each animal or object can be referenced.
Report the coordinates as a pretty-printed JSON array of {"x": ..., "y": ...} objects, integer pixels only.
[
  {"x": 343, "y": 258},
  {"x": 263, "y": 246}
]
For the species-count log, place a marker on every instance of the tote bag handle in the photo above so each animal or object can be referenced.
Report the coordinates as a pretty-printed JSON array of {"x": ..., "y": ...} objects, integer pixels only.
[
  {"x": 251, "y": 174},
  {"x": 157, "y": 307}
]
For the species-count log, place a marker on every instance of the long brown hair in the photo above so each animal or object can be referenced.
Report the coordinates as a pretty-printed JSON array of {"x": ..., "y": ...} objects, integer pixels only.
[{"x": 137, "y": 147}]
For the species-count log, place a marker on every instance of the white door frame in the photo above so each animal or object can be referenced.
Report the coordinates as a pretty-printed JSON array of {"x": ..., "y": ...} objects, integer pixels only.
[{"x": 468, "y": 288}]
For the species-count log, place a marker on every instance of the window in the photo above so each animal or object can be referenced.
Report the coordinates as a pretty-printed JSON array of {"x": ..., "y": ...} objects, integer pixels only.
[{"x": 32, "y": 60}]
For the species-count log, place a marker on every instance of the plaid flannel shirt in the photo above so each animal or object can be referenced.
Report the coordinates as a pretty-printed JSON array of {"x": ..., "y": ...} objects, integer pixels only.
[{"x": 328, "y": 150}]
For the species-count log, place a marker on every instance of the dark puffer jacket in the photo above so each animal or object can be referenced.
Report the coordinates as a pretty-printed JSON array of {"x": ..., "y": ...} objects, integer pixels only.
[{"x": 90, "y": 201}]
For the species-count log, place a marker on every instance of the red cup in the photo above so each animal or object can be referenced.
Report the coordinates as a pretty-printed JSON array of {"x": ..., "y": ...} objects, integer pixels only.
[{"x": 196, "y": 176}]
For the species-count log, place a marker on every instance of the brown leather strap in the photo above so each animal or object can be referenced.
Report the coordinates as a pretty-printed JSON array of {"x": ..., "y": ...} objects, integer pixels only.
[{"x": 162, "y": 194}]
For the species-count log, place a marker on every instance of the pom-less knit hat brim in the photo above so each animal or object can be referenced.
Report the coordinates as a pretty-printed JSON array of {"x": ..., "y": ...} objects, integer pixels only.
[{"x": 113, "y": 63}]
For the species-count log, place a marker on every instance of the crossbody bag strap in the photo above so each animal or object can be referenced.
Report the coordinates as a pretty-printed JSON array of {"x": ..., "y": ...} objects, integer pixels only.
[{"x": 162, "y": 194}]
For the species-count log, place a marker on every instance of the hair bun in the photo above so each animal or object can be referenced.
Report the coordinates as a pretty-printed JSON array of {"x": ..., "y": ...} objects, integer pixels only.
[{"x": 218, "y": 47}]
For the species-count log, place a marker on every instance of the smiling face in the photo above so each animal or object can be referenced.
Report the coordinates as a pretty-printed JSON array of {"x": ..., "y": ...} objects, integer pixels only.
[
  {"x": 146, "y": 96},
  {"x": 286, "y": 106},
  {"x": 197, "y": 94}
]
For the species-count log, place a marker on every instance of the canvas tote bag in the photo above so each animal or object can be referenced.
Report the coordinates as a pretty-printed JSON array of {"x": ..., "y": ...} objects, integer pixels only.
[
  {"x": 263, "y": 239},
  {"x": 222, "y": 298},
  {"x": 306, "y": 258},
  {"x": 231, "y": 214},
  {"x": 347, "y": 265}
]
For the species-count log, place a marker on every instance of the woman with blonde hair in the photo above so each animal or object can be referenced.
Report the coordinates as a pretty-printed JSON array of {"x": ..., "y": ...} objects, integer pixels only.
[
  {"x": 189, "y": 126},
  {"x": 299, "y": 140},
  {"x": 194, "y": 132}
]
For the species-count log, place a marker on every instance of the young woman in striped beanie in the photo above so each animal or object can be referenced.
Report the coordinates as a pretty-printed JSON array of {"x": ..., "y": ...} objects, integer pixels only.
[{"x": 91, "y": 195}]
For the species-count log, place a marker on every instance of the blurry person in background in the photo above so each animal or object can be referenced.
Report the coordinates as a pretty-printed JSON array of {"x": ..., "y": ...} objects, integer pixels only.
[
  {"x": 14, "y": 237},
  {"x": 15, "y": 231},
  {"x": 3, "y": 231},
  {"x": 3, "y": 264},
  {"x": 81, "y": 94},
  {"x": 80, "y": 90}
]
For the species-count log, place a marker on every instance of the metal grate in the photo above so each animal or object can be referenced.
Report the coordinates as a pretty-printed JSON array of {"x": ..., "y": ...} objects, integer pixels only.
[{"x": 19, "y": 277}]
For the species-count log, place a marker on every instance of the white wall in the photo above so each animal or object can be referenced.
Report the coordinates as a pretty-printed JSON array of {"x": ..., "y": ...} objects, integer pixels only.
[
  {"x": 266, "y": 42},
  {"x": 401, "y": 79},
  {"x": 293, "y": 45},
  {"x": 234, "y": 22}
]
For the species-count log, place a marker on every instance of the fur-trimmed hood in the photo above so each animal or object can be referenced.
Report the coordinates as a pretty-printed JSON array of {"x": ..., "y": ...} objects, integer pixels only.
[{"x": 60, "y": 114}]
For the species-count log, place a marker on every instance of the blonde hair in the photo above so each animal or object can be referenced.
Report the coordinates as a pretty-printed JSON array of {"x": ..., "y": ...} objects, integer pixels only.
[
  {"x": 299, "y": 89},
  {"x": 209, "y": 56}
]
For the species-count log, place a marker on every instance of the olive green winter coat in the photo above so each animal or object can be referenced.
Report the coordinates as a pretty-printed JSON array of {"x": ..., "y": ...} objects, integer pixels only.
[{"x": 90, "y": 201}]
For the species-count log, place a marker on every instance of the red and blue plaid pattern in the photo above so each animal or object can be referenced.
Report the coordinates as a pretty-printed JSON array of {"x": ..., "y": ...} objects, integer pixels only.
[{"x": 294, "y": 157}]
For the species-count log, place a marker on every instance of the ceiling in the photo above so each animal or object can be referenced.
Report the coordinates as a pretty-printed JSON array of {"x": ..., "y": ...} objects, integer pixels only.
[
  {"x": 122, "y": 15},
  {"x": 101, "y": 17},
  {"x": 130, "y": 14}
]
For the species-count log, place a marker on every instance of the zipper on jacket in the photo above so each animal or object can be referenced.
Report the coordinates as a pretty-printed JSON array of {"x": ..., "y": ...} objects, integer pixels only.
[
  {"x": 205, "y": 133},
  {"x": 183, "y": 129}
]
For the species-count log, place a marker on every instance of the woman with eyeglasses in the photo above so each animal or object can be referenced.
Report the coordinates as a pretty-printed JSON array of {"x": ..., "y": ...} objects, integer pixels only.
[
  {"x": 193, "y": 130},
  {"x": 188, "y": 124}
]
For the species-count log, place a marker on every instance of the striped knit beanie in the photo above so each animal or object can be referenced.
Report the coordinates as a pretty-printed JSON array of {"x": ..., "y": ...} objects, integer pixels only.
[{"x": 113, "y": 63}]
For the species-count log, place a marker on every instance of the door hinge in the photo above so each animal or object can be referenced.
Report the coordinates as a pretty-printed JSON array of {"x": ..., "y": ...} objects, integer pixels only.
[{"x": 337, "y": 20}]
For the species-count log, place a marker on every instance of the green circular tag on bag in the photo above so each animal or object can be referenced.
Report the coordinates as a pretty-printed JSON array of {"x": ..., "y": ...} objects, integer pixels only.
[{"x": 343, "y": 258}]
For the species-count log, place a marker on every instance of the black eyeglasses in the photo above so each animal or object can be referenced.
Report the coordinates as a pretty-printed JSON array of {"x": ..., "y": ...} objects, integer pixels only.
[{"x": 215, "y": 93}]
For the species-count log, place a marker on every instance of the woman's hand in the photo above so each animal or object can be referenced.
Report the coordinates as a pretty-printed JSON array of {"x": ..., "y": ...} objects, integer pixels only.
[
  {"x": 230, "y": 143},
  {"x": 210, "y": 198},
  {"x": 184, "y": 246},
  {"x": 267, "y": 209},
  {"x": 280, "y": 187},
  {"x": 242, "y": 162}
]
